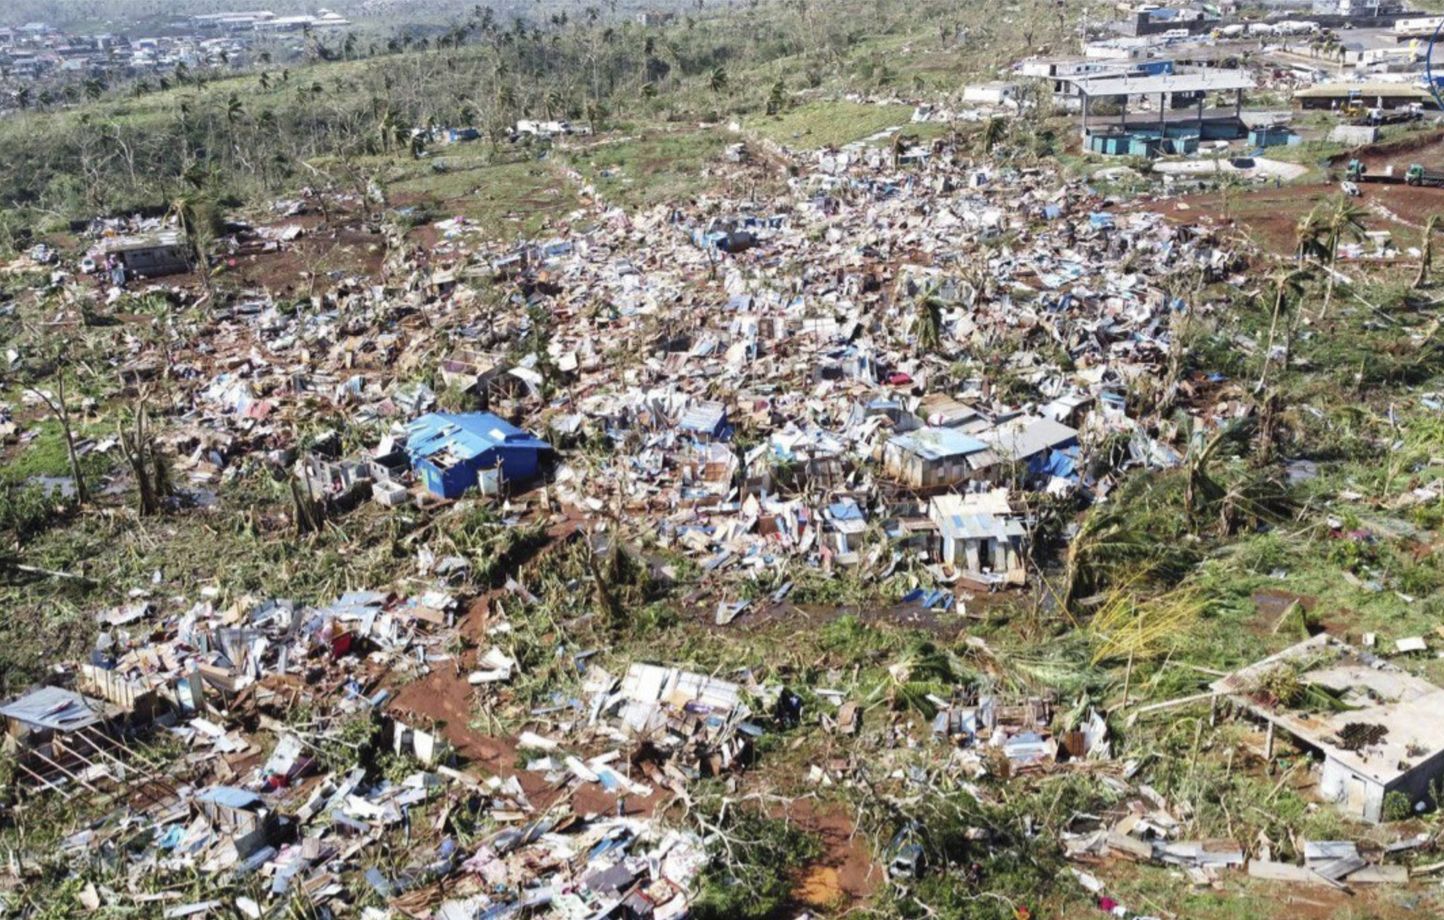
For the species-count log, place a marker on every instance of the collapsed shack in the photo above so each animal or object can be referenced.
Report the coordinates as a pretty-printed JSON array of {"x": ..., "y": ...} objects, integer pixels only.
[
  {"x": 1326, "y": 694},
  {"x": 64, "y": 741},
  {"x": 149, "y": 256},
  {"x": 687, "y": 725},
  {"x": 1017, "y": 729}
]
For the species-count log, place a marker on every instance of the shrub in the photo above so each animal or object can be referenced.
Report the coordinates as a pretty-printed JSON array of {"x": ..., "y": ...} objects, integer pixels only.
[{"x": 1396, "y": 806}]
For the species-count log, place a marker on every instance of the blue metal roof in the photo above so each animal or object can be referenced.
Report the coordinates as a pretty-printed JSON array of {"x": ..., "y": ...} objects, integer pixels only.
[
  {"x": 466, "y": 436},
  {"x": 937, "y": 443}
]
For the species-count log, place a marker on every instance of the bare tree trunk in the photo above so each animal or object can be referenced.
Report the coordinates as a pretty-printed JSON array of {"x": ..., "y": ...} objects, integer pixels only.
[
  {"x": 1273, "y": 331},
  {"x": 58, "y": 406},
  {"x": 1329, "y": 288},
  {"x": 152, "y": 479}
]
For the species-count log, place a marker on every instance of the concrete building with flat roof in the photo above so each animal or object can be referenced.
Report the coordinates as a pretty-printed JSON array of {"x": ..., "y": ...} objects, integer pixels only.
[{"x": 1362, "y": 764}]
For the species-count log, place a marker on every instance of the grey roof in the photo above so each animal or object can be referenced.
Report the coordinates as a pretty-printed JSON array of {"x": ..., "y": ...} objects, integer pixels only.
[
  {"x": 229, "y": 797},
  {"x": 54, "y": 708},
  {"x": 938, "y": 443},
  {"x": 1204, "y": 81},
  {"x": 1024, "y": 437},
  {"x": 959, "y": 519},
  {"x": 164, "y": 239},
  {"x": 704, "y": 416}
]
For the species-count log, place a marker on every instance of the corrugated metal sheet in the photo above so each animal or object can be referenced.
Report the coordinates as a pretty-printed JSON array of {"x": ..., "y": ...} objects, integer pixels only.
[
  {"x": 53, "y": 708},
  {"x": 938, "y": 443}
]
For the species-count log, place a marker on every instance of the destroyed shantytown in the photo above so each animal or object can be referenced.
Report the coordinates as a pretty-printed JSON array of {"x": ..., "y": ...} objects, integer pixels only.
[{"x": 712, "y": 460}]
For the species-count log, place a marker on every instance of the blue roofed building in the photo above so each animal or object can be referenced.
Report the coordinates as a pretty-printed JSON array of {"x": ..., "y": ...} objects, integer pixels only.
[
  {"x": 935, "y": 457},
  {"x": 454, "y": 453}
]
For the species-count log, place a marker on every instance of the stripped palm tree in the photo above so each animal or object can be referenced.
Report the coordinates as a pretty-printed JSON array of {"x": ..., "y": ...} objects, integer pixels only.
[
  {"x": 1106, "y": 543},
  {"x": 1288, "y": 286},
  {"x": 1426, "y": 250},
  {"x": 1203, "y": 490},
  {"x": 929, "y": 320},
  {"x": 924, "y": 670},
  {"x": 1309, "y": 236},
  {"x": 187, "y": 210},
  {"x": 1345, "y": 218}
]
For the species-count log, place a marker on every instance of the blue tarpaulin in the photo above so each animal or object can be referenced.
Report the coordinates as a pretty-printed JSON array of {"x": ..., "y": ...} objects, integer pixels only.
[{"x": 1060, "y": 463}]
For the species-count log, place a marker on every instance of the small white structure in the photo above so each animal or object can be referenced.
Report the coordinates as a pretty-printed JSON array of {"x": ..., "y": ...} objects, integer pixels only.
[
  {"x": 995, "y": 93},
  {"x": 980, "y": 535}
]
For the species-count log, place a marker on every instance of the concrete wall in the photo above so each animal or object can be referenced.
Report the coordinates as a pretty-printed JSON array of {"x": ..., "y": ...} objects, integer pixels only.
[
  {"x": 1416, "y": 783},
  {"x": 1354, "y": 135},
  {"x": 1355, "y": 795}
]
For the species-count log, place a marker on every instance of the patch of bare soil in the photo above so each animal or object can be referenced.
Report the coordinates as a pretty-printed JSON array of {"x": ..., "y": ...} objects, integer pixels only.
[{"x": 845, "y": 874}]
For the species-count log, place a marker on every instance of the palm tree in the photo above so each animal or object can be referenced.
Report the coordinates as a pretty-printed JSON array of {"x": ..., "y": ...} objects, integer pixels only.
[
  {"x": 1309, "y": 236},
  {"x": 1202, "y": 490},
  {"x": 899, "y": 147},
  {"x": 1426, "y": 249},
  {"x": 187, "y": 209},
  {"x": 235, "y": 112},
  {"x": 717, "y": 80},
  {"x": 387, "y": 128},
  {"x": 1288, "y": 285},
  {"x": 1345, "y": 219},
  {"x": 776, "y": 98},
  {"x": 929, "y": 319}
]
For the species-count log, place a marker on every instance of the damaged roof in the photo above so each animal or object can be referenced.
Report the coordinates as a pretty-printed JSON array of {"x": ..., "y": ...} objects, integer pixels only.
[{"x": 466, "y": 436}]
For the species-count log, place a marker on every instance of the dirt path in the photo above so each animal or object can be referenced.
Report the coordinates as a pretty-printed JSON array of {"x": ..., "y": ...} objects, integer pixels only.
[{"x": 845, "y": 874}]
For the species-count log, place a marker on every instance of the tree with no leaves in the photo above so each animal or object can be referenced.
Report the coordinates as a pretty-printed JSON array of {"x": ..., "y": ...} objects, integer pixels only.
[
  {"x": 1345, "y": 218},
  {"x": 1288, "y": 286},
  {"x": 147, "y": 463},
  {"x": 1426, "y": 250},
  {"x": 58, "y": 405}
]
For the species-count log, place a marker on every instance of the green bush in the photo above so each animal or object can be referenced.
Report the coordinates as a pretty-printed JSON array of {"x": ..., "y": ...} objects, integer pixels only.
[
  {"x": 26, "y": 510},
  {"x": 1396, "y": 806}
]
